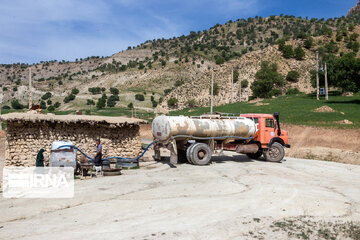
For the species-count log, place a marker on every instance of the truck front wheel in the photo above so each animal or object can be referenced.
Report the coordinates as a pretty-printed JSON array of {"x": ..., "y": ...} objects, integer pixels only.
[{"x": 275, "y": 153}]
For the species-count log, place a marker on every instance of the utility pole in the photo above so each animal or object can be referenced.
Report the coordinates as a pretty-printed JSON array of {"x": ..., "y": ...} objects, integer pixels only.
[
  {"x": 326, "y": 84},
  {"x": 212, "y": 93},
  {"x": 240, "y": 90},
  {"x": 317, "y": 75},
  {"x": 232, "y": 83},
  {"x": 30, "y": 89}
]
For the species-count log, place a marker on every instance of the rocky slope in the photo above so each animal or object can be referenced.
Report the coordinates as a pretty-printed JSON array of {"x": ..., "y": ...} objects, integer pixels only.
[
  {"x": 247, "y": 66},
  {"x": 182, "y": 67},
  {"x": 354, "y": 10}
]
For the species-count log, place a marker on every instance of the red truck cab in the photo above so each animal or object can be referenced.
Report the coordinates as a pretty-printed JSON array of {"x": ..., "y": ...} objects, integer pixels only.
[{"x": 270, "y": 138}]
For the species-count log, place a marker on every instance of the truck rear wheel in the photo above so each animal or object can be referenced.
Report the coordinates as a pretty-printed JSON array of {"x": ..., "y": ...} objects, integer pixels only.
[
  {"x": 275, "y": 154},
  {"x": 200, "y": 154},
  {"x": 188, "y": 150},
  {"x": 255, "y": 155}
]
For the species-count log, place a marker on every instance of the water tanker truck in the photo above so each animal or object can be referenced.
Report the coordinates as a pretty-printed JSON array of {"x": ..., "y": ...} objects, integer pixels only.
[{"x": 196, "y": 139}]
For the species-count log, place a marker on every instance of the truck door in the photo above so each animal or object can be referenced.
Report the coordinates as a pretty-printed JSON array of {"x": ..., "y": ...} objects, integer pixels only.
[{"x": 269, "y": 130}]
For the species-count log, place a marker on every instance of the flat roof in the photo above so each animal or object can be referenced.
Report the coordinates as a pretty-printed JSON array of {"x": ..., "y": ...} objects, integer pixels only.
[{"x": 31, "y": 117}]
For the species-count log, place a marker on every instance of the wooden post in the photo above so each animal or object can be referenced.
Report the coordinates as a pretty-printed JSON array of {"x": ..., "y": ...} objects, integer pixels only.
[
  {"x": 212, "y": 93},
  {"x": 30, "y": 89},
  {"x": 317, "y": 75},
  {"x": 232, "y": 83},
  {"x": 326, "y": 84}
]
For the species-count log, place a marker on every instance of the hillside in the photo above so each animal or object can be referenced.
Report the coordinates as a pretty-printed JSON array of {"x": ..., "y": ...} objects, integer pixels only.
[{"x": 181, "y": 67}]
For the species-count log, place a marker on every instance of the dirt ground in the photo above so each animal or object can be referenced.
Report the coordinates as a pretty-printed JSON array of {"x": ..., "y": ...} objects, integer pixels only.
[
  {"x": 338, "y": 145},
  {"x": 233, "y": 198}
]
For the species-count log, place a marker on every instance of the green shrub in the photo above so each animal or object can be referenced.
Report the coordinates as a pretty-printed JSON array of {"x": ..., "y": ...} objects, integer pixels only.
[
  {"x": 101, "y": 102},
  {"x": 293, "y": 76},
  {"x": 51, "y": 108},
  {"x": 309, "y": 43},
  {"x": 275, "y": 92},
  {"x": 354, "y": 46},
  {"x": 167, "y": 91},
  {"x": 172, "y": 102},
  {"x": 292, "y": 91},
  {"x": 266, "y": 79},
  {"x": 281, "y": 43},
  {"x": 236, "y": 76},
  {"x": 216, "y": 89},
  {"x": 114, "y": 91},
  {"x": 74, "y": 91},
  {"x": 154, "y": 104},
  {"x": 131, "y": 105},
  {"x": 90, "y": 102},
  {"x": 15, "y": 104},
  {"x": 57, "y": 105},
  {"x": 299, "y": 53},
  {"x": 288, "y": 51},
  {"x": 140, "y": 97},
  {"x": 69, "y": 98},
  {"x": 111, "y": 102},
  {"x": 244, "y": 83},
  {"x": 95, "y": 90},
  {"x": 46, "y": 96},
  {"x": 5, "y": 107},
  {"x": 219, "y": 60}
]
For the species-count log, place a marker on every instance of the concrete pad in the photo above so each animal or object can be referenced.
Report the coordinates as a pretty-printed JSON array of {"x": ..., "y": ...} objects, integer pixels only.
[{"x": 219, "y": 201}]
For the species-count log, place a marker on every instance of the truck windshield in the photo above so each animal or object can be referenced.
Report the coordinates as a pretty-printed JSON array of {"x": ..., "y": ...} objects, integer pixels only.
[{"x": 269, "y": 123}]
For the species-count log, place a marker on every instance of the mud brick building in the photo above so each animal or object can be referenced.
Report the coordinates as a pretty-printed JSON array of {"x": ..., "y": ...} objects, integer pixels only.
[{"x": 27, "y": 133}]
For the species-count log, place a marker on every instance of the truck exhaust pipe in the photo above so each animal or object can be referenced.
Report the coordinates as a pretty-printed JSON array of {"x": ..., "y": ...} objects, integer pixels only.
[{"x": 277, "y": 117}]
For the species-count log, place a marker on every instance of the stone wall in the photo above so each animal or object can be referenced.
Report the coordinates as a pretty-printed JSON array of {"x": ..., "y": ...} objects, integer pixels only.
[{"x": 25, "y": 139}]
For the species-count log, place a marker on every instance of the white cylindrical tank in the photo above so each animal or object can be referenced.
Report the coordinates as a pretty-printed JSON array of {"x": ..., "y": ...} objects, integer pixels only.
[{"x": 165, "y": 127}]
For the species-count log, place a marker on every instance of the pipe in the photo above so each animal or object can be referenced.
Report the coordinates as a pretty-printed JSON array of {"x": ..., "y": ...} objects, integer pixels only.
[
  {"x": 123, "y": 159},
  {"x": 248, "y": 148}
]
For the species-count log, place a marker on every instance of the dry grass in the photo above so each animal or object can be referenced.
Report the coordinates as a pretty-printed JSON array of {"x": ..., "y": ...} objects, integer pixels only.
[
  {"x": 305, "y": 136},
  {"x": 339, "y": 145}
]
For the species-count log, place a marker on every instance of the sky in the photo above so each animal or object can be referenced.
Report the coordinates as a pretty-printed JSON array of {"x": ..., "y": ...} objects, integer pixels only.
[{"x": 40, "y": 30}]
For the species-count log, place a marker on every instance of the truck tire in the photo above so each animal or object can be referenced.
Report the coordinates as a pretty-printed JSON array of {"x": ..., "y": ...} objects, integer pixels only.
[
  {"x": 275, "y": 154},
  {"x": 188, "y": 150},
  {"x": 255, "y": 155},
  {"x": 200, "y": 154}
]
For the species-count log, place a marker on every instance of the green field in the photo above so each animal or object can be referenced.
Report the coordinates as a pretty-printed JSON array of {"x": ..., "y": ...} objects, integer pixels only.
[{"x": 297, "y": 110}]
